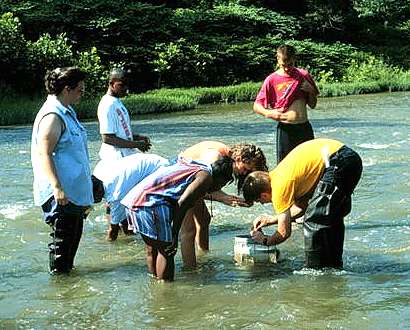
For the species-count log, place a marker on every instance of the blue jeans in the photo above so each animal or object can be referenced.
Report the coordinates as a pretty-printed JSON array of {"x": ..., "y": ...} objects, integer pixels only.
[{"x": 331, "y": 202}]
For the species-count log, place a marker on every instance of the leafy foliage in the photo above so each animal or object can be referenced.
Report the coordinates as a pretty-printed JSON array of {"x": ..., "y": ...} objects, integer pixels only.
[
  {"x": 183, "y": 43},
  {"x": 12, "y": 51}
]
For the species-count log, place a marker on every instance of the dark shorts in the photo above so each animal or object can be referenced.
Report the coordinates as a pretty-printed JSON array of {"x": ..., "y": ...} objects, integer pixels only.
[
  {"x": 288, "y": 136},
  {"x": 330, "y": 203}
]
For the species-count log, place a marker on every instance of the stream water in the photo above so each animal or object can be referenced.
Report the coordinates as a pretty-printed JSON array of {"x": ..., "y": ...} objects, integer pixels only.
[{"x": 110, "y": 288}]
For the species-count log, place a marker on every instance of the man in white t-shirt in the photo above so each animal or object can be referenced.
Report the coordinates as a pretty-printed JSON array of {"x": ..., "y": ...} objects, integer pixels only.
[
  {"x": 118, "y": 177},
  {"x": 115, "y": 124}
]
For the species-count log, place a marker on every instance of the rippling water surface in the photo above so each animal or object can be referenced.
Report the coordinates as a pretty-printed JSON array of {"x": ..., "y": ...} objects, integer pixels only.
[{"x": 111, "y": 290}]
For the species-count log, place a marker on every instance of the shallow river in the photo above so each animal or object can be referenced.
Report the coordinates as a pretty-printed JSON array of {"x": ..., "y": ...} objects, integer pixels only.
[{"x": 111, "y": 290}]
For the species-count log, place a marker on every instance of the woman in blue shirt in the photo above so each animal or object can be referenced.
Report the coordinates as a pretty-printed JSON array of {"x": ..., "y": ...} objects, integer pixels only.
[{"x": 62, "y": 177}]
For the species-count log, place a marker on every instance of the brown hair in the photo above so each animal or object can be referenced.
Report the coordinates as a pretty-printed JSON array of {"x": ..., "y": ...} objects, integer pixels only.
[
  {"x": 57, "y": 79},
  {"x": 249, "y": 154},
  {"x": 254, "y": 185},
  {"x": 288, "y": 52}
]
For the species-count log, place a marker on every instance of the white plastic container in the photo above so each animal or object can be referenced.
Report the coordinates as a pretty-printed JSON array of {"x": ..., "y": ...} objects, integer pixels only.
[{"x": 247, "y": 251}]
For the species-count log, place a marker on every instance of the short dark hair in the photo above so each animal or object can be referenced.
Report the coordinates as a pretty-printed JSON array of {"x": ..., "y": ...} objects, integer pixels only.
[
  {"x": 56, "y": 80},
  {"x": 254, "y": 185},
  {"x": 117, "y": 74},
  {"x": 222, "y": 172}
]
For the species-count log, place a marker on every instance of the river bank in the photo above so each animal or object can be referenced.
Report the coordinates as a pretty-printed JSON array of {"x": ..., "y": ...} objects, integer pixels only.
[{"x": 22, "y": 109}]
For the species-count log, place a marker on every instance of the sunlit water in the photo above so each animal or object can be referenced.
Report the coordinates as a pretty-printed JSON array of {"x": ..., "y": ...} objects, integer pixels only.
[{"x": 111, "y": 290}]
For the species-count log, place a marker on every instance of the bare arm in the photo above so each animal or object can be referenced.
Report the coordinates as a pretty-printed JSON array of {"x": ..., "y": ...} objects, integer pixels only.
[
  {"x": 267, "y": 220},
  {"x": 196, "y": 190},
  {"x": 312, "y": 93},
  {"x": 112, "y": 139},
  {"x": 269, "y": 113},
  {"x": 227, "y": 199},
  {"x": 282, "y": 234},
  {"x": 49, "y": 132}
]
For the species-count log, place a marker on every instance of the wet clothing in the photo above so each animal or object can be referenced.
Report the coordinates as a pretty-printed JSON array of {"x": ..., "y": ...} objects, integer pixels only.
[
  {"x": 288, "y": 136},
  {"x": 71, "y": 161},
  {"x": 330, "y": 171},
  {"x": 66, "y": 224},
  {"x": 331, "y": 202},
  {"x": 70, "y": 157},
  {"x": 151, "y": 204},
  {"x": 279, "y": 91},
  {"x": 119, "y": 176},
  {"x": 114, "y": 119}
]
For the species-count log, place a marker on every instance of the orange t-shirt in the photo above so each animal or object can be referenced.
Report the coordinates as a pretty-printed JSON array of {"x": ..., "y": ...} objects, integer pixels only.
[{"x": 298, "y": 173}]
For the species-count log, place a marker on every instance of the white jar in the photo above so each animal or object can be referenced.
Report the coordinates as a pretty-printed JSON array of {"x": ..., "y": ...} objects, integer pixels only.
[{"x": 247, "y": 251}]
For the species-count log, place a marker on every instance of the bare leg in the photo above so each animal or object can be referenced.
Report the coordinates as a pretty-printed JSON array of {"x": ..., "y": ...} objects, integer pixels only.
[
  {"x": 112, "y": 232},
  {"x": 202, "y": 220},
  {"x": 188, "y": 232},
  {"x": 159, "y": 263},
  {"x": 151, "y": 258},
  {"x": 165, "y": 266}
]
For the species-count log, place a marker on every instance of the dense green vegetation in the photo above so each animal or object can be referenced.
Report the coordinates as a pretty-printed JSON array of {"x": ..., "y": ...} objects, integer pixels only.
[{"x": 350, "y": 47}]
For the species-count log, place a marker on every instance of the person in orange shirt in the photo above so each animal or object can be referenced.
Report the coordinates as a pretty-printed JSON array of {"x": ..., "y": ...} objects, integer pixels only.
[{"x": 316, "y": 179}]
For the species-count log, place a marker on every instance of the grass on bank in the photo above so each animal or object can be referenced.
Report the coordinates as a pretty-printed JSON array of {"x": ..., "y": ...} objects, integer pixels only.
[{"x": 22, "y": 110}]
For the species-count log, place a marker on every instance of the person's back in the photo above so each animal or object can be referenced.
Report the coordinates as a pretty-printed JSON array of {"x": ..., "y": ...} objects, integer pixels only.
[
  {"x": 119, "y": 176},
  {"x": 299, "y": 172},
  {"x": 207, "y": 151},
  {"x": 165, "y": 184}
]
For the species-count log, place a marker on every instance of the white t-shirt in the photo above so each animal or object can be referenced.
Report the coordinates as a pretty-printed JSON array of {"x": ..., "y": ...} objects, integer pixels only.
[
  {"x": 114, "y": 119},
  {"x": 119, "y": 176}
]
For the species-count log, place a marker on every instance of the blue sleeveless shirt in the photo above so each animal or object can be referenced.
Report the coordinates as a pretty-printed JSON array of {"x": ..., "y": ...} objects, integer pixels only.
[{"x": 70, "y": 158}]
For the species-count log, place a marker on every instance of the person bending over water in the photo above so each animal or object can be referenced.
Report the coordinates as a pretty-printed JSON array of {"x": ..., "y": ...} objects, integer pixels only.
[
  {"x": 283, "y": 97},
  {"x": 158, "y": 204},
  {"x": 323, "y": 171},
  {"x": 195, "y": 228},
  {"x": 117, "y": 177}
]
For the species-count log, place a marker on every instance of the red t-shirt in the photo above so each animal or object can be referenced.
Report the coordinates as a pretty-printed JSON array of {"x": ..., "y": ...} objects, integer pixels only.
[{"x": 279, "y": 92}]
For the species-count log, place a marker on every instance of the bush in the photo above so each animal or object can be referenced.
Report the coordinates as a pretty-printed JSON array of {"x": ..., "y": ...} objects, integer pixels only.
[
  {"x": 12, "y": 50},
  {"x": 47, "y": 53},
  {"x": 90, "y": 62},
  {"x": 369, "y": 68}
]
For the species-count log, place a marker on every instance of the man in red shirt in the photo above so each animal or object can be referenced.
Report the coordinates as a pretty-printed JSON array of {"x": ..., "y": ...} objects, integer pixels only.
[{"x": 283, "y": 97}]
